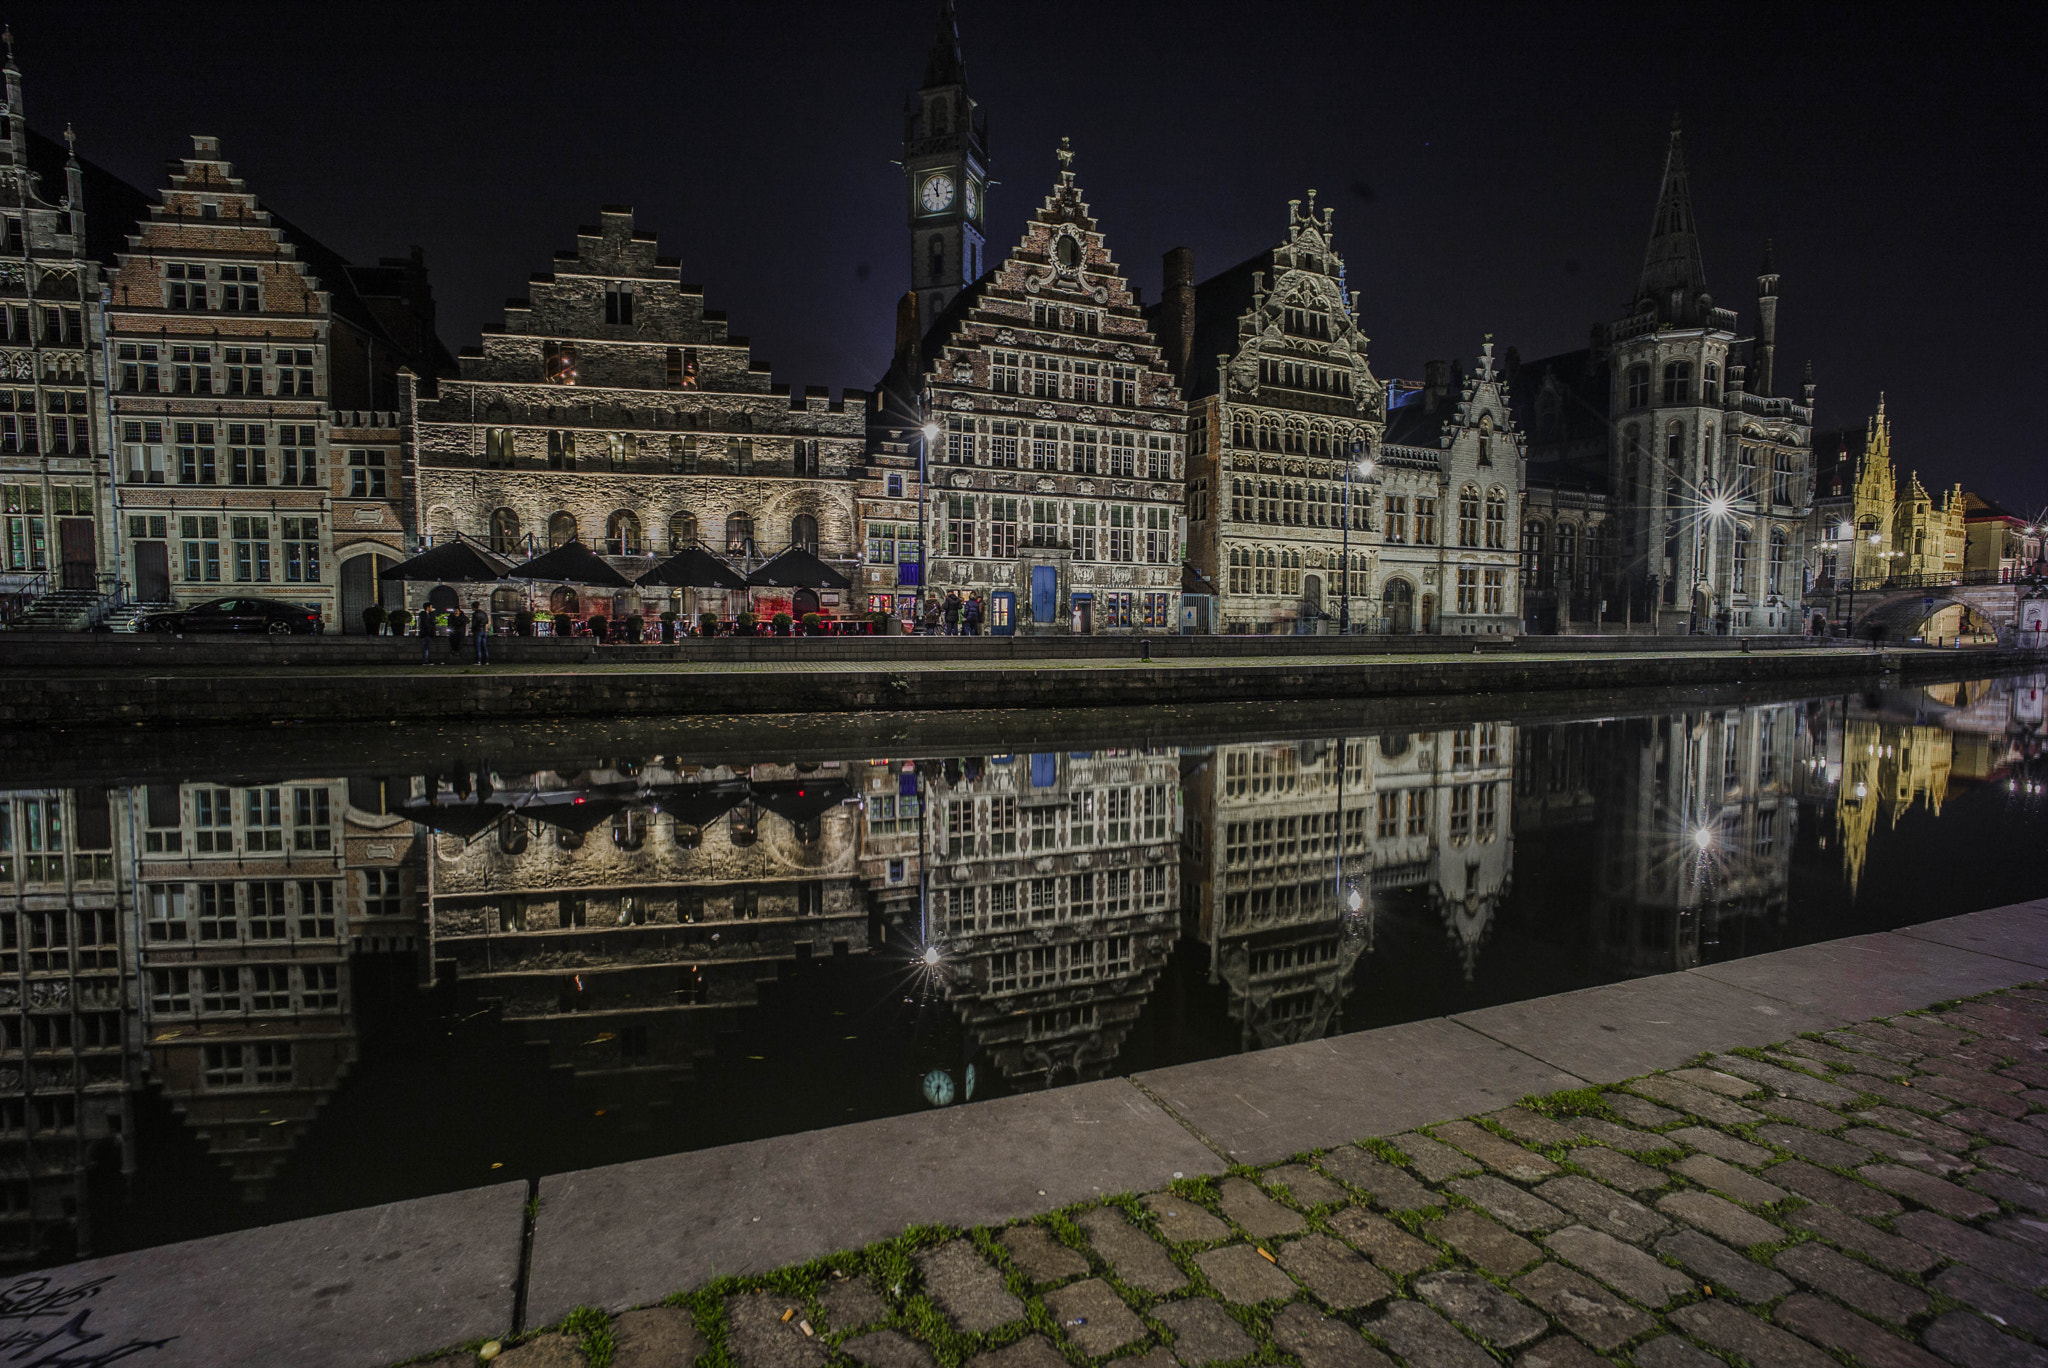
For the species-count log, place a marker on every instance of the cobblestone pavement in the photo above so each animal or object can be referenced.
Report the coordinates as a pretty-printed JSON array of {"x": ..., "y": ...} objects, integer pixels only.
[{"x": 1875, "y": 1196}]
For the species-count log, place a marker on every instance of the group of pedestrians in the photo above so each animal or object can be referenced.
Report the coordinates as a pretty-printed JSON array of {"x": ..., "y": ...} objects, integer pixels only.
[
  {"x": 454, "y": 624},
  {"x": 953, "y": 615}
]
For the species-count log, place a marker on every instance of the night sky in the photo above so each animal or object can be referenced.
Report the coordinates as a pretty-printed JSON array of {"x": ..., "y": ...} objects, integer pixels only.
[{"x": 1493, "y": 169}]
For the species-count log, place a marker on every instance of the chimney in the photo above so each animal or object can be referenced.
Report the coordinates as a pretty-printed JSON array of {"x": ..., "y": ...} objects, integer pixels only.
[
  {"x": 1177, "y": 310},
  {"x": 1766, "y": 352},
  {"x": 906, "y": 332},
  {"x": 1436, "y": 379}
]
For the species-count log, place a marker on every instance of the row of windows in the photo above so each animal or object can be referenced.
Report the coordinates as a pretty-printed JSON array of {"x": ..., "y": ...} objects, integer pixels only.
[
  {"x": 1297, "y": 505},
  {"x": 1302, "y": 375},
  {"x": 250, "y": 821},
  {"x": 151, "y": 368},
  {"x": 626, "y": 452},
  {"x": 252, "y": 556},
  {"x": 995, "y": 526},
  {"x": 998, "y": 826},
  {"x": 1678, "y": 384},
  {"x": 233, "y": 289},
  {"x": 1053, "y": 899},
  {"x": 1271, "y": 432},
  {"x": 222, "y": 453},
  {"x": 623, "y": 535},
  {"x": 236, "y": 989},
  {"x": 558, "y": 360},
  {"x": 63, "y": 324},
  {"x": 1060, "y": 377},
  {"x": 255, "y": 910},
  {"x": 1008, "y": 444}
]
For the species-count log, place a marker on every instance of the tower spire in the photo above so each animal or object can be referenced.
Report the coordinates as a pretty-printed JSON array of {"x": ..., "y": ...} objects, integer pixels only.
[
  {"x": 1765, "y": 353},
  {"x": 946, "y": 65},
  {"x": 1674, "y": 277}
]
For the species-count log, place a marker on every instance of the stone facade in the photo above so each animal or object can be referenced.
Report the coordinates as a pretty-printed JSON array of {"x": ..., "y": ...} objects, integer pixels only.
[
  {"x": 1450, "y": 476},
  {"x": 615, "y": 408},
  {"x": 1671, "y": 416},
  {"x": 235, "y": 340},
  {"x": 54, "y": 499},
  {"x": 1281, "y": 403},
  {"x": 1054, "y": 486}
]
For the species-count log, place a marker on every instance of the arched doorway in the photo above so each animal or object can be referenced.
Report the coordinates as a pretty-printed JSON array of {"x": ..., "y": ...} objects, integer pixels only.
[
  {"x": 1312, "y": 602},
  {"x": 564, "y": 600},
  {"x": 444, "y": 596},
  {"x": 360, "y": 588},
  {"x": 1397, "y": 607},
  {"x": 803, "y": 601}
]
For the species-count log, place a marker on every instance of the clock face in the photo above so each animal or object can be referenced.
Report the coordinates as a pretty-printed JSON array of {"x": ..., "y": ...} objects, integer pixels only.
[
  {"x": 973, "y": 200},
  {"x": 937, "y": 194}
]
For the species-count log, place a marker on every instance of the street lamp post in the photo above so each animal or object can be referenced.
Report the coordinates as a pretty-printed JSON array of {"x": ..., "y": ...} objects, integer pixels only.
[
  {"x": 1363, "y": 467},
  {"x": 927, "y": 433},
  {"x": 1717, "y": 505}
]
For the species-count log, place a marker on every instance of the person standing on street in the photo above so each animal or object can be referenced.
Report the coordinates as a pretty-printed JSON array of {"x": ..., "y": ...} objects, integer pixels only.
[
  {"x": 431, "y": 619},
  {"x": 480, "y": 628},
  {"x": 952, "y": 614}
]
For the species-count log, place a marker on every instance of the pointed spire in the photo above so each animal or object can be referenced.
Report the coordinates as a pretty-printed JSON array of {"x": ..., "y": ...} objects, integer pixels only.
[
  {"x": 1673, "y": 276},
  {"x": 7, "y": 37},
  {"x": 1770, "y": 266},
  {"x": 946, "y": 66}
]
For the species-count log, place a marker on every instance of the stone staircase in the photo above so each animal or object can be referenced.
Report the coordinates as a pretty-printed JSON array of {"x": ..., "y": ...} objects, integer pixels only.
[
  {"x": 124, "y": 618},
  {"x": 60, "y": 610}
]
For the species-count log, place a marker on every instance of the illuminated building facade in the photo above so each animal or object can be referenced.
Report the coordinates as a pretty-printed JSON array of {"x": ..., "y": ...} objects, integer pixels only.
[
  {"x": 615, "y": 408},
  {"x": 1281, "y": 402},
  {"x": 1667, "y": 448}
]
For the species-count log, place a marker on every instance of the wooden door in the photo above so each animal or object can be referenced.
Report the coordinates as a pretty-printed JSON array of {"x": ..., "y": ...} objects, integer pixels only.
[{"x": 80, "y": 557}]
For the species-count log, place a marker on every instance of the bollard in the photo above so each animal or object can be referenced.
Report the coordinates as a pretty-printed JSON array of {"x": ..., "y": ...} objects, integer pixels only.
[
  {"x": 1745, "y": 645},
  {"x": 1145, "y": 649}
]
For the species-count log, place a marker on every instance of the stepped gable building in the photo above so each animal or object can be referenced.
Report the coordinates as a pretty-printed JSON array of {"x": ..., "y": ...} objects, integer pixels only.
[
  {"x": 1666, "y": 445},
  {"x": 1053, "y": 490},
  {"x": 54, "y": 496},
  {"x": 1281, "y": 401},
  {"x": 1450, "y": 475},
  {"x": 945, "y": 170},
  {"x": 615, "y": 408},
  {"x": 255, "y": 392}
]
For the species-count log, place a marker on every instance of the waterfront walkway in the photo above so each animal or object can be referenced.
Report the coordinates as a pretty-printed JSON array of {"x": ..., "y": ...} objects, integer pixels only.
[
  {"x": 1781, "y": 1180},
  {"x": 262, "y": 683}
]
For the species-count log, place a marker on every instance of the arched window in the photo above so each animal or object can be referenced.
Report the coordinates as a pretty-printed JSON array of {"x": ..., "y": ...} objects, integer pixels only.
[
  {"x": 564, "y": 600},
  {"x": 512, "y": 833},
  {"x": 743, "y": 824},
  {"x": 561, "y": 529},
  {"x": 1532, "y": 554},
  {"x": 739, "y": 534},
  {"x": 629, "y": 829},
  {"x": 1678, "y": 382},
  {"x": 682, "y": 532},
  {"x": 1497, "y": 518},
  {"x": 1567, "y": 555},
  {"x": 1776, "y": 568},
  {"x": 1486, "y": 439},
  {"x": 803, "y": 531},
  {"x": 504, "y": 531},
  {"x": 1638, "y": 387},
  {"x": 622, "y": 534},
  {"x": 1468, "y": 516},
  {"x": 1740, "y": 572}
]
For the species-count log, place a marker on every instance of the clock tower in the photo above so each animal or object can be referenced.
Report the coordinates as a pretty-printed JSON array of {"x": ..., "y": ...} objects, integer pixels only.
[{"x": 945, "y": 168}]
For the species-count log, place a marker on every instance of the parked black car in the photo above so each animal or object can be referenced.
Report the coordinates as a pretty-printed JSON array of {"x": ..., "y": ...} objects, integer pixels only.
[{"x": 238, "y": 615}]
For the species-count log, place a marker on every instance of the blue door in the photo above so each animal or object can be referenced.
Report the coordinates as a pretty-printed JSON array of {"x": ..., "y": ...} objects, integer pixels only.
[
  {"x": 1002, "y": 613},
  {"x": 1045, "y": 593}
]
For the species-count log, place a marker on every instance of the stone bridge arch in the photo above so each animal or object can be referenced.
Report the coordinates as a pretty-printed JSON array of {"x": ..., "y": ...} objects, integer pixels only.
[{"x": 1937, "y": 616}]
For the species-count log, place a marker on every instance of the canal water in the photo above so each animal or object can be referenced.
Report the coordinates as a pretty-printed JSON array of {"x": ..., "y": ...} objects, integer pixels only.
[{"x": 241, "y": 993}]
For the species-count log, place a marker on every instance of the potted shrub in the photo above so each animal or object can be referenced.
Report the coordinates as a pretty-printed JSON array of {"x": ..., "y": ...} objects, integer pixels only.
[
  {"x": 814, "y": 624},
  {"x": 373, "y": 620},
  {"x": 744, "y": 624},
  {"x": 668, "y": 628},
  {"x": 707, "y": 624},
  {"x": 781, "y": 621},
  {"x": 522, "y": 623},
  {"x": 398, "y": 618},
  {"x": 597, "y": 625},
  {"x": 564, "y": 625},
  {"x": 878, "y": 623}
]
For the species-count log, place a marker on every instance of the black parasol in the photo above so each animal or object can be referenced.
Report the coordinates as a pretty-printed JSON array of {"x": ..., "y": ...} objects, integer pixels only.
[
  {"x": 455, "y": 561},
  {"x": 694, "y": 568},
  {"x": 571, "y": 563},
  {"x": 798, "y": 568}
]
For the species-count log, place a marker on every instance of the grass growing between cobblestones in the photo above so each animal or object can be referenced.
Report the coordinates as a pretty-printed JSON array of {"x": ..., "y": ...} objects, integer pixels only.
[{"x": 1731, "y": 1215}]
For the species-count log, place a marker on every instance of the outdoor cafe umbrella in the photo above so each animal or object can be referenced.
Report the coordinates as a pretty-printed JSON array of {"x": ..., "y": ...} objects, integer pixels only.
[
  {"x": 797, "y": 568},
  {"x": 694, "y": 568},
  {"x": 571, "y": 563},
  {"x": 455, "y": 561}
]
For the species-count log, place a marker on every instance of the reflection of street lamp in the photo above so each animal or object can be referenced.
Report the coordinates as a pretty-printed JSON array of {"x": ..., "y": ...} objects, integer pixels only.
[{"x": 1363, "y": 468}]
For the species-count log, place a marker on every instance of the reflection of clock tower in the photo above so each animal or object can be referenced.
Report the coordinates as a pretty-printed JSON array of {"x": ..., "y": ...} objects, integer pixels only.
[{"x": 945, "y": 163}]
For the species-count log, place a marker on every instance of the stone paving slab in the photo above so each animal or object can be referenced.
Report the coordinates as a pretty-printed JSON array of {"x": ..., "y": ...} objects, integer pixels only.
[
  {"x": 2014, "y": 933},
  {"x": 1873, "y": 975},
  {"x": 1621, "y": 1029},
  {"x": 1272, "y": 1103},
  {"x": 631, "y": 1233},
  {"x": 357, "y": 1288}
]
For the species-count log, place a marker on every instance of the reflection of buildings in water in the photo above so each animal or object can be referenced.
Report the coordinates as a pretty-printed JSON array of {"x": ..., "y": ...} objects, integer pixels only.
[
  {"x": 1052, "y": 895},
  {"x": 622, "y": 915},
  {"x": 249, "y": 900},
  {"x": 1695, "y": 837},
  {"x": 1294, "y": 847},
  {"x": 64, "y": 1017},
  {"x": 1886, "y": 767}
]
